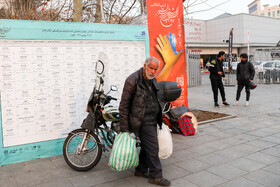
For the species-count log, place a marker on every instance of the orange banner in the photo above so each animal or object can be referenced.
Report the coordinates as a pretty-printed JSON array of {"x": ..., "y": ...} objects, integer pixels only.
[{"x": 167, "y": 43}]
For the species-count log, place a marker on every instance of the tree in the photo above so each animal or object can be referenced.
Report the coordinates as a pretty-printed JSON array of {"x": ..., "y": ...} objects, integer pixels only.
[
  {"x": 192, "y": 4},
  {"x": 31, "y": 10},
  {"x": 111, "y": 11},
  {"x": 94, "y": 11},
  {"x": 78, "y": 11}
]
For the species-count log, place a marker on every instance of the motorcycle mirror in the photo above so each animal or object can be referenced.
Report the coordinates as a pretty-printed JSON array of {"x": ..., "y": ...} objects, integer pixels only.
[
  {"x": 166, "y": 108},
  {"x": 114, "y": 88},
  {"x": 103, "y": 61},
  {"x": 99, "y": 68}
]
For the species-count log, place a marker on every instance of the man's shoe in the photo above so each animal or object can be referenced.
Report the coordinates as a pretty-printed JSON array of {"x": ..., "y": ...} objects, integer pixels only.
[
  {"x": 236, "y": 103},
  {"x": 160, "y": 181},
  {"x": 247, "y": 103},
  {"x": 225, "y": 104},
  {"x": 139, "y": 173},
  {"x": 216, "y": 105}
]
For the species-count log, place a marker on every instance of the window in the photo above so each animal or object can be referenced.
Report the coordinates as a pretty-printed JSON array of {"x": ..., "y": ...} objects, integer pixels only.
[
  {"x": 278, "y": 13},
  {"x": 273, "y": 14},
  {"x": 268, "y": 14},
  {"x": 257, "y": 63},
  {"x": 268, "y": 65},
  {"x": 262, "y": 14},
  {"x": 277, "y": 64}
]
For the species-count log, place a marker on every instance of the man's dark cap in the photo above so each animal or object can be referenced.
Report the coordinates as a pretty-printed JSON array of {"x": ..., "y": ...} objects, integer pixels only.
[{"x": 243, "y": 55}]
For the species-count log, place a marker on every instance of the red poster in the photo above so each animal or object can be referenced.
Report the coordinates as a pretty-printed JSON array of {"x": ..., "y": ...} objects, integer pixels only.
[{"x": 166, "y": 35}]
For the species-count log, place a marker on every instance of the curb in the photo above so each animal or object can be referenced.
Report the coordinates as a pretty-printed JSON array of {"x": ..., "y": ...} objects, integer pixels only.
[{"x": 217, "y": 119}]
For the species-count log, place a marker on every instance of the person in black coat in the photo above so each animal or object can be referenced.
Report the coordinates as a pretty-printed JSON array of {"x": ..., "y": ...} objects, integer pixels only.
[
  {"x": 216, "y": 75},
  {"x": 140, "y": 112},
  {"x": 245, "y": 73}
]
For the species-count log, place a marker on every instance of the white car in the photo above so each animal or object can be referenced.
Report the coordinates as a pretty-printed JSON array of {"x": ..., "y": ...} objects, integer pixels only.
[
  {"x": 268, "y": 65},
  {"x": 257, "y": 64}
]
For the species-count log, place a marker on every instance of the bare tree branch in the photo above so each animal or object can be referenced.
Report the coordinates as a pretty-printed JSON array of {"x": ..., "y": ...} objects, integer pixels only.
[
  {"x": 110, "y": 15},
  {"x": 122, "y": 7},
  {"x": 208, "y": 8},
  {"x": 127, "y": 10},
  {"x": 196, "y": 3},
  {"x": 59, "y": 11}
]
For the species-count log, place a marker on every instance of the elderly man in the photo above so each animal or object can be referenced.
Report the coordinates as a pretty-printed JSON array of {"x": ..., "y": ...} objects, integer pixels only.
[{"x": 140, "y": 112}]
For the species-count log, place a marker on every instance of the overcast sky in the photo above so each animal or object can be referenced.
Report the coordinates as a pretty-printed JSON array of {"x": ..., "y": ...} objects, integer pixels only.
[{"x": 231, "y": 6}]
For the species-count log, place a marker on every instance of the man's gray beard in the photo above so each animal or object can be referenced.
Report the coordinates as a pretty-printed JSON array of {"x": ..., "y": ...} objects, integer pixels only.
[{"x": 147, "y": 75}]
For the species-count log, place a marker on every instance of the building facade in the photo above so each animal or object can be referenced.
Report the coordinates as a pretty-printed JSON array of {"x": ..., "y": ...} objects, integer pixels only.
[
  {"x": 251, "y": 33},
  {"x": 269, "y": 11}
]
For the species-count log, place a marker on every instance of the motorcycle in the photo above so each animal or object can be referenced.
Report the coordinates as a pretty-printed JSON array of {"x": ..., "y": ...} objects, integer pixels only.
[{"x": 83, "y": 147}]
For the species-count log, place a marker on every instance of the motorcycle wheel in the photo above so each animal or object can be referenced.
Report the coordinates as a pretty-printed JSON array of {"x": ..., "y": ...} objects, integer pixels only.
[{"x": 78, "y": 158}]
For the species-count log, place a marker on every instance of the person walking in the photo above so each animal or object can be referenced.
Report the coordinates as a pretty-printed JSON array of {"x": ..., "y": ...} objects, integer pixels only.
[
  {"x": 245, "y": 73},
  {"x": 216, "y": 75},
  {"x": 140, "y": 112}
]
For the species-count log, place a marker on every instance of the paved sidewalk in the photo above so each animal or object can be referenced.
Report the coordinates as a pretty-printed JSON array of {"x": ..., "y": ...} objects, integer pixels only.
[{"x": 237, "y": 152}]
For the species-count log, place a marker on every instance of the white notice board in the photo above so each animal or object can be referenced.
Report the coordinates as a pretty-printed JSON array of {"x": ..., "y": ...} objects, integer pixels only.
[
  {"x": 45, "y": 85},
  {"x": 47, "y": 75}
]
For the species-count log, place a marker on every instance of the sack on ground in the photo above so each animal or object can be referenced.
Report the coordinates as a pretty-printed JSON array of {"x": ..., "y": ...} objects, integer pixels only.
[
  {"x": 193, "y": 118},
  {"x": 165, "y": 143},
  {"x": 124, "y": 154},
  {"x": 188, "y": 124}
]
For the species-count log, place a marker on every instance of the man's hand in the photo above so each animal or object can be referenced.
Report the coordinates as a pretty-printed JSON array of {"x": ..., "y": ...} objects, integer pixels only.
[
  {"x": 220, "y": 73},
  {"x": 224, "y": 78},
  {"x": 250, "y": 80}
]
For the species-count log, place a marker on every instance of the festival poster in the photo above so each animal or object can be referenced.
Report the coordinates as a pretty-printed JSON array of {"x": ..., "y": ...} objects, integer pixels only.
[{"x": 166, "y": 37}]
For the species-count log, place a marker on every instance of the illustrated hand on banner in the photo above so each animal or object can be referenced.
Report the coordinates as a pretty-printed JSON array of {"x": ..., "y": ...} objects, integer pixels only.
[
  {"x": 172, "y": 40},
  {"x": 169, "y": 56}
]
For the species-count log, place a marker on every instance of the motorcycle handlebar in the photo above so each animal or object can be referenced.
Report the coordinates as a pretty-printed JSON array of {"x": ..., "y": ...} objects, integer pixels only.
[
  {"x": 114, "y": 98},
  {"x": 111, "y": 98}
]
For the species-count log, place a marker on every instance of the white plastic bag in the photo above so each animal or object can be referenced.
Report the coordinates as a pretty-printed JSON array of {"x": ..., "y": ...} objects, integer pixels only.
[{"x": 164, "y": 142}]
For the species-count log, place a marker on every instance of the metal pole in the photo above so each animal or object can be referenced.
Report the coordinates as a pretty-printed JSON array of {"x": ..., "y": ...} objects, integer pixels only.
[
  {"x": 248, "y": 46},
  {"x": 230, "y": 41}
]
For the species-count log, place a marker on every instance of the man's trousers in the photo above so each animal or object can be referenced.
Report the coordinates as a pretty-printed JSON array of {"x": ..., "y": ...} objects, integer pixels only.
[
  {"x": 148, "y": 157},
  {"x": 240, "y": 87},
  {"x": 218, "y": 84}
]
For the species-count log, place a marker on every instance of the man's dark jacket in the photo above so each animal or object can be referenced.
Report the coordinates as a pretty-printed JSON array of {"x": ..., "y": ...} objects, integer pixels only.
[
  {"x": 133, "y": 102},
  {"x": 215, "y": 67},
  {"x": 245, "y": 71}
]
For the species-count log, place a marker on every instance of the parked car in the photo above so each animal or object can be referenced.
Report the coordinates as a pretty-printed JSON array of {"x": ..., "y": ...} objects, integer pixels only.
[
  {"x": 277, "y": 64},
  {"x": 256, "y": 64},
  {"x": 269, "y": 65}
]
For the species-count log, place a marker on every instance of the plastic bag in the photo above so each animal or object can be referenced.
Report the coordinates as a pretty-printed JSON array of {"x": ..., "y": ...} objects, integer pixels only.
[
  {"x": 124, "y": 154},
  {"x": 164, "y": 142}
]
